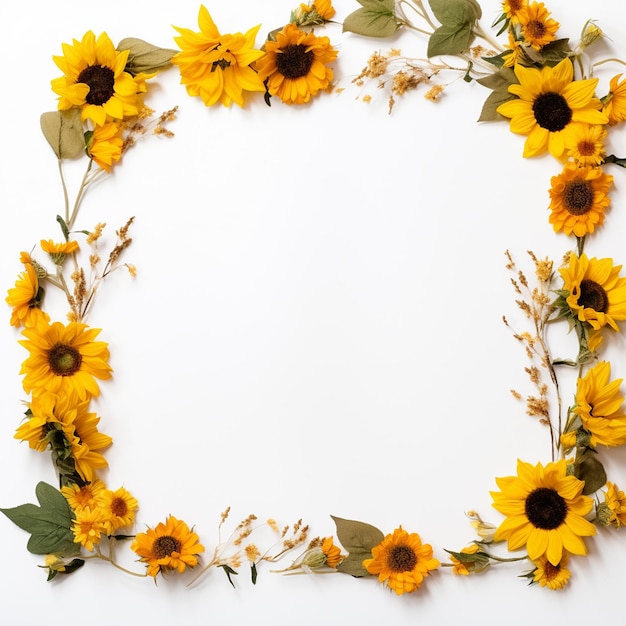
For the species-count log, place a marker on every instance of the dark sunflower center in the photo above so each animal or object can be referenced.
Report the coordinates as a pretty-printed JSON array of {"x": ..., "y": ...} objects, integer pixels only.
[
  {"x": 536, "y": 29},
  {"x": 119, "y": 507},
  {"x": 545, "y": 508},
  {"x": 401, "y": 559},
  {"x": 293, "y": 61},
  {"x": 578, "y": 196},
  {"x": 164, "y": 546},
  {"x": 551, "y": 571},
  {"x": 593, "y": 296},
  {"x": 586, "y": 148},
  {"x": 101, "y": 81},
  {"x": 64, "y": 360},
  {"x": 552, "y": 111}
]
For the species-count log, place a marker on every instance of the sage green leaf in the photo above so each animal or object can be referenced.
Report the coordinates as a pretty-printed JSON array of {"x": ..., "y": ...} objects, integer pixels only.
[
  {"x": 63, "y": 130},
  {"x": 592, "y": 472},
  {"x": 499, "y": 83},
  {"x": 358, "y": 538},
  {"x": 450, "y": 40},
  {"x": 145, "y": 57},
  {"x": 456, "y": 12},
  {"x": 375, "y": 18},
  {"x": 49, "y": 524},
  {"x": 64, "y": 228}
]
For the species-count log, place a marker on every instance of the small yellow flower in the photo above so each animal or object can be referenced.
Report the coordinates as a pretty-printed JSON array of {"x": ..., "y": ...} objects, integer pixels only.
[
  {"x": 512, "y": 8},
  {"x": 83, "y": 497},
  {"x": 25, "y": 298},
  {"x": 119, "y": 508},
  {"x": 538, "y": 28},
  {"x": 465, "y": 566},
  {"x": 331, "y": 552},
  {"x": 105, "y": 145},
  {"x": 552, "y": 576},
  {"x": 401, "y": 561},
  {"x": 167, "y": 547},
  {"x": 58, "y": 251},
  {"x": 613, "y": 509},
  {"x": 585, "y": 144},
  {"x": 615, "y": 101},
  {"x": 88, "y": 527}
]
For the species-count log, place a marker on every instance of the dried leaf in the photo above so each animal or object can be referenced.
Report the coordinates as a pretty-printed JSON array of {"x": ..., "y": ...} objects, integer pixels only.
[{"x": 64, "y": 132}]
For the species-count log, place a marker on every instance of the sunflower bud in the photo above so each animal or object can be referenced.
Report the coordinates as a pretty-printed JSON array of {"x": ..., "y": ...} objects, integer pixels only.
[
  {"x": 313, "y": 558},
  {"x": 590, "y": 34},
  {"x": 604, "y": 514}
]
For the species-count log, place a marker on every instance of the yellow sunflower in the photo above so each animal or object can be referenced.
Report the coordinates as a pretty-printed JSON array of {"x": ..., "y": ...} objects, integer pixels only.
[
  {"x": 119, "y": 507},
  {"x": 105, "y": 145},
  {"x": 538, "y": 28},
  {"x": 169, "y": 546},
  {"x": 599, "y": 404},
  {"x": 295, "y": 65},
  {"x": 64, "y": 358},
  {"x": 94, "y": 80},
  {"x": 585, "y": 144},
  {"x": 615, "y": 101},
  {"x": 512, "y": 8},
  {"x": 85, "y": 496},
  {"x": 545, "y": 511},
  {"x": 552, "y": 576},
  {"x": 613, "y": 509},
  {"x": 596, "y": 294},
  {"x": 217, "y": 67},
  {"x": 88, "y": 527},
  {"x": 549, "y": 101},
  {"x": 25, "y": 298},
  {"x": 579, "y": 198},
  {"x": 314, "y": 14},
  {"x": 401, "y": 561},
  {"x": 331, "y": 552}
]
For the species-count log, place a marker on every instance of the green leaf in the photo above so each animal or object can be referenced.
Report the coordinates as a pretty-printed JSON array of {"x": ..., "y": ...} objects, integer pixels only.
[
  {"x": 63, "y": 130},
  {"x": 499, "y": 83},
  {"x": 229, "y": 572},
  {"x": 376, "y": 18},
  {"x": 49, "y": 524},
  {"x": 145, "y": 57},
  {"x": 456, "y": 12},
  {"x": 64, "y": 228},
  {"x": 253, "y": 573},
  {"x": 358, "y": 538},
  {"x": 592, "y": 472},
  {"x": 450, "y": 40},
  {"x": 617, "y": 160}
]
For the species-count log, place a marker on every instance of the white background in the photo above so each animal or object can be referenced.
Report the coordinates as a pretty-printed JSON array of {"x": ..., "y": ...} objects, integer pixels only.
[{"x": 315, "y": 327}]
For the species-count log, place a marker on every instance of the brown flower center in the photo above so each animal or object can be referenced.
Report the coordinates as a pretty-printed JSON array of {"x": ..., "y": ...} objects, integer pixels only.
[
  {"x": 578, "y": 196},
  {"x": 551, "y": 571},
  {"x": 401, "y": 559},
  {"x": 119, "y": 507},
  {"x": 593, "y": 296},
  {"x": 516, "y": 5},
  {"x": 545, "y": 508},
  {"x": 101, "y": 81},
  {"x": 536, "y": 29},
  {"x": 552, "y": 111},
  {"x": 64, "y": 360},
  {"x": 586, "y": 148},
  {"x": 164, "y": 546},
  {"x": 294, "y": 61}
]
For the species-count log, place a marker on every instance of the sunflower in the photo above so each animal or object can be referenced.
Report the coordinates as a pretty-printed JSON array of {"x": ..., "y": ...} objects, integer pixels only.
[
  {"x": 331, "y": 552},
  {"x": 119, "y": 507},
  {"x": 295, "y": 65},
  {"x": 65, "y": 424},
  {"x": 88, "y": 527},
  {"x": 26, "y": 298},
  {"x": 613, "y": 509},
  {"x": 169, "y": 546},
  {"x": 595, "y": 292},
  {"x": 551, "y": 576},
  {"x": 579, "y": 198},
  {"x": 599, "y": 405},
  {"x": 58, "y": 251},
  {"x": 401, "y": 561},
  {"x": 217, "y": 67},
  {"x": 105, "y": 145},
  {"x": 538, "y": 28},
  {"x": 548, "y": 102},
  {"x": 585, "y": 144},
  {"x": 314, "y": 14},
  {"x": 545, "y": 511},
  {"x": 512, "y": 8},
  {"x": 64, "y": 358},
  {"x": 83, "y": 497},
  {"x": 615, "y": 101},
  {"x": 94, "y": 80}
]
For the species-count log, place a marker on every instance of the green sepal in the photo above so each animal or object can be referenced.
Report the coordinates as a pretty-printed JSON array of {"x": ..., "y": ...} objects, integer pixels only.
[
  {"x": 49, "y": 524},
  {"x": 229, "y": 572},
  {"x": 63, "y": 130},
  {"x": 358, "y": 538},
  {"x": 375, "y": 18},
  {"x": 145, "y": 58}
]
